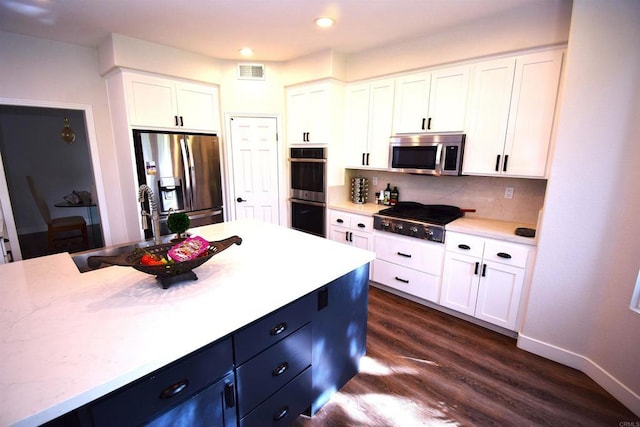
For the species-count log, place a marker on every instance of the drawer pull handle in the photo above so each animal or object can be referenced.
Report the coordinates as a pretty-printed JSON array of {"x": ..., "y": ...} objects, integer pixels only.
[
  {"x": 280, "y": 369},
  {"x": 401, "y": 280},
  {"x": 174, "y": 389},
  {"x": 463, "y": 246},
  {"x": 339, "y": 220},
  {"x": 504, "y": 255},
  {"x": 361, "y": 225},
  {"x": 229, "y": 395},
  {"x": 278, "y": 329},
  {"x": 404, "y": 255},
  {"x": 282, "y": 412}
]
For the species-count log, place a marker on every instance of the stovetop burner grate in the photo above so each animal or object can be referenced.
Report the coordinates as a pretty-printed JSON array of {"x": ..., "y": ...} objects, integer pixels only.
[{"x": 435, "y": 214}]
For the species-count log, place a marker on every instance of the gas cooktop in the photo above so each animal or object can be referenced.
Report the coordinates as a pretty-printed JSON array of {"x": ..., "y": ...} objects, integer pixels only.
[{"x": 417, "y": 220}]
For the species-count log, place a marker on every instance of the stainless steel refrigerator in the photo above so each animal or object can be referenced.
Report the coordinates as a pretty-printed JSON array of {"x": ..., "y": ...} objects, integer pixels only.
[{"x": 184, "y": 173}]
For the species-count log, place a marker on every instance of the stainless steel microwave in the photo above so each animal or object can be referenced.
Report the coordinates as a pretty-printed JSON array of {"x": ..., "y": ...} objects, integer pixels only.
[{"x": 428, "y": 154}]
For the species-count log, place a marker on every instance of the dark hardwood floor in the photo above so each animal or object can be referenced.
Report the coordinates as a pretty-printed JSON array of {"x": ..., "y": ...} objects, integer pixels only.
[{"x": 427, "y": 368}]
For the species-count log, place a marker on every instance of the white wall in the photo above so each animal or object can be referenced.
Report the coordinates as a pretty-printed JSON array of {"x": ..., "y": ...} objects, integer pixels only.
[
  {"x": 588, "y": 257},
  {"x": 41, "y": 72}
]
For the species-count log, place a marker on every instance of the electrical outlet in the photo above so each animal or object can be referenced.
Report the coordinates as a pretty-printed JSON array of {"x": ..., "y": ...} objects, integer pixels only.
[
  {"x": 374, "y": 181},
  {"x": 508, "y": 193}
]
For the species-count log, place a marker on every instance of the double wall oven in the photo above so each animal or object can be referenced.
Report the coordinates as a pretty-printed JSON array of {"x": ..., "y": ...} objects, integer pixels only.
[{"x": 308, "y": 178}]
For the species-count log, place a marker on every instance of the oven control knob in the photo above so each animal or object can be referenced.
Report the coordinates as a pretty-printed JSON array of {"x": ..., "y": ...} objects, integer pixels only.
[
  {"x": 428, "y": 231},
  {"x": 385, "y": 225},
  {"x": 413, "y": 230},
  {"x": 399, "y": 227}
]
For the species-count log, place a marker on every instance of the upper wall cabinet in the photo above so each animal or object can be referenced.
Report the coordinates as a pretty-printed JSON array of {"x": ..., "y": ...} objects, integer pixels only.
[
  {"x": 313, "y": 113},
  {"x": 164, "y": 103},
  {"x": 510, "y": 116},
  {"x": 368, "y": 120},
  {"x": 432, "y": 101}
]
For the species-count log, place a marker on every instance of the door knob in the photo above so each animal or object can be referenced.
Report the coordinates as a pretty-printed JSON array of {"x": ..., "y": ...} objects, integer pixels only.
[{"x": 240, "y": 200}]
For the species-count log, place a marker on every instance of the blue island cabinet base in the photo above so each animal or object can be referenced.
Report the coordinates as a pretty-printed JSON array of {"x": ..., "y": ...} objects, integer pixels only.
[
  {"x": 286, "y": 363},
  {"x": 339, "y": 334}
]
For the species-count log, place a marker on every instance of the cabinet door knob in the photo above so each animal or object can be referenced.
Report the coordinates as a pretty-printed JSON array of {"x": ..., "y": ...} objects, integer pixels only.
[
  {"x": 367, "y": 164},
  {"x": 240, "y": 200},
  {"x": 484, "y": 270},
  {"x": 176, "y": 119},
  {"x": 504, "y": 166},
  {"x": 497, "y": 162},
  {"x": 475, "y": 272},
  {"x": 429, "y": 124},
  {"x": 423, "y": 122}
]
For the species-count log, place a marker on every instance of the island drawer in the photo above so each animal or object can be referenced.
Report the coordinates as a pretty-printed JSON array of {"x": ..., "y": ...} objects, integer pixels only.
[
  {"x": 283, "y": 407},
  {"x": 273, "y": 327},
  {"x": 151, "y": 395},
  {"x": 273, "y": 368}
]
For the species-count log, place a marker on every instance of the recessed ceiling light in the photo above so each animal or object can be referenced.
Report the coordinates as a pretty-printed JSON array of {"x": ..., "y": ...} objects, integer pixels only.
[
  {"x": 246, "y": 51},
  {"x": 324, "y": 22}
]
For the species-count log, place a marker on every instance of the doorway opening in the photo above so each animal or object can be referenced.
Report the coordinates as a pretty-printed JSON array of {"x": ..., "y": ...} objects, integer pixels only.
[{"x": 36, "y": 142}]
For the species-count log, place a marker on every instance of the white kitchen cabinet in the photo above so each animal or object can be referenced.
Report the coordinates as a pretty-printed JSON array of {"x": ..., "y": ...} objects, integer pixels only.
[
  {"x": 484, "y": 278},
  {"x": 434, "y": 101},
  {"x": 351, "y": 229},
  {"x": 164, "y": 103},
  {"x": 510, "y": 116},
  {"x": 313, "y": 113},
  {"x": 368, "y": 124},
  {"x": 410, "y": 265}
]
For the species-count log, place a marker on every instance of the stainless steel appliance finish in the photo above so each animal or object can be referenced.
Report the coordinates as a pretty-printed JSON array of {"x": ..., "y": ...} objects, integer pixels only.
[
  {"x": 428, "y": 154},
  {"x": 308, "y": 171},
  {"x": 416, "y": 220},
  {"x": 308, "y": 174},
  {"x": 183, "y": 171}
]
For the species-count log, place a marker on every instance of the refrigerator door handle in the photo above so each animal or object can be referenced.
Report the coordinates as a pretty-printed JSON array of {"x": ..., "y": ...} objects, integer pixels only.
[{"x": 187, "y": 171}]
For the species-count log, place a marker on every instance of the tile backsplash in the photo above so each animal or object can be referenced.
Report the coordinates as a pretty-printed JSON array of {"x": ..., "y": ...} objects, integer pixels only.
[{"x": 485, "y": 194}]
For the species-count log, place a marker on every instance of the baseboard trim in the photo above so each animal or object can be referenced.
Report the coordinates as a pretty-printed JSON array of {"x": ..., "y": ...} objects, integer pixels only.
[{"x": 594, "y": 371}]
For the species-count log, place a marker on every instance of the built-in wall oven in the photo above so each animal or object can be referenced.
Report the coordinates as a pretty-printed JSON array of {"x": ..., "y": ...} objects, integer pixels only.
[{"x": 308, "y": 181}]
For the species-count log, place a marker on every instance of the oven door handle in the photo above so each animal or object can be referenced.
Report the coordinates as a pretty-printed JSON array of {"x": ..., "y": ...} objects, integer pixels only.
[
  {"x": 308, "y": 202},
  {"x": 297, "y": 160}
]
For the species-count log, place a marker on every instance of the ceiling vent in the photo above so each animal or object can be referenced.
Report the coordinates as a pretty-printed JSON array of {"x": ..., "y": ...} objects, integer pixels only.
[{"x": 251, "y": 71}]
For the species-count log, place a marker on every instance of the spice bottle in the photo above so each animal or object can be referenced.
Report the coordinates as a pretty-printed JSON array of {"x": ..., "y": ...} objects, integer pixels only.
[
  {"x": 393, "y": 200},
  {"x": 387, "y": 195}
]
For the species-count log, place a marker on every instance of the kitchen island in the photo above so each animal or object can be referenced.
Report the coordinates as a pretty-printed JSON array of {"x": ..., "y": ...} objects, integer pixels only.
[{"x": 70, "y": 338}]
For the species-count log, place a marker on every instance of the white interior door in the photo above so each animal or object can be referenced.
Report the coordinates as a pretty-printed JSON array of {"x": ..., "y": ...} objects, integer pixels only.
[{"x": 254, "y": 147}]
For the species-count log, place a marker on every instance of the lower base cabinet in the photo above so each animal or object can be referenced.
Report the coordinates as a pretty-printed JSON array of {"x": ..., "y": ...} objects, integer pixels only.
[
  {"x": 484, "y": 278},
  {"x": 266, "y": 374}
]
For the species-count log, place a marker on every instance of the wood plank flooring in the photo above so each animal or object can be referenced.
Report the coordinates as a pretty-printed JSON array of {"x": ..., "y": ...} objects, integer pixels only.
[{"x": 427, "y": 368}]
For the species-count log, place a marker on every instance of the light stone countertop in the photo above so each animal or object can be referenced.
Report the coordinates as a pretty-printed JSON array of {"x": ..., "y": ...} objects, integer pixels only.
[
  {"x": 67, "y": 338},
  {"x": 364, "y": 209},
  {"x": 503, "y": 230}
]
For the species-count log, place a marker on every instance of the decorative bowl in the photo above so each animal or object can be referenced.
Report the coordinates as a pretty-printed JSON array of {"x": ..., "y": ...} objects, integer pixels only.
[{"x": 166, "y": 274}]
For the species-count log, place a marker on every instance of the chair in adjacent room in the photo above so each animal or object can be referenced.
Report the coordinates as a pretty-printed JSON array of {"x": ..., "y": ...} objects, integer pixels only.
[{"x": 58, "y": 228}]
